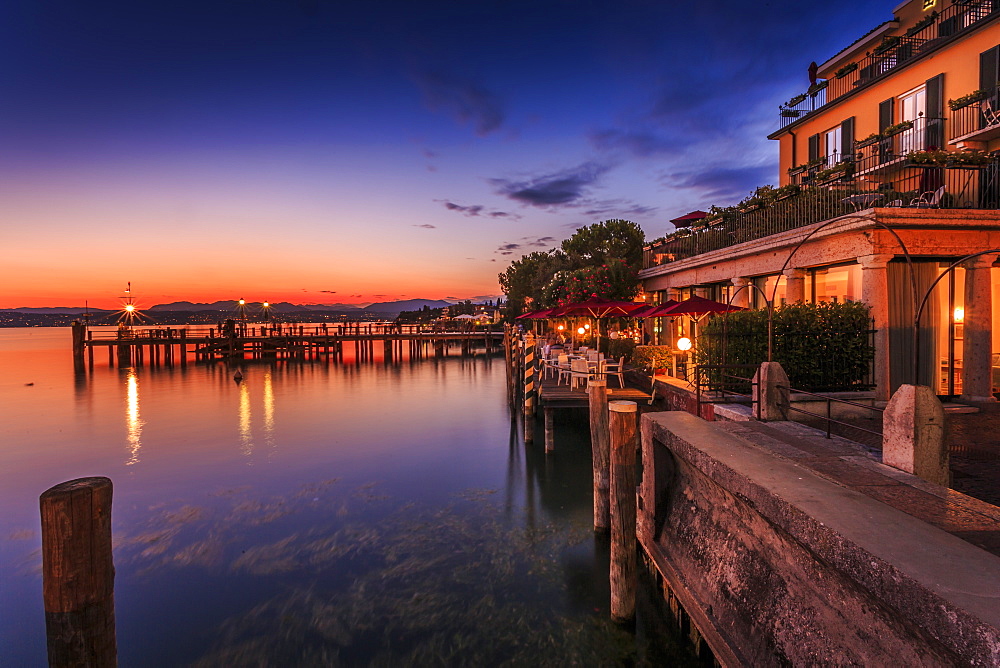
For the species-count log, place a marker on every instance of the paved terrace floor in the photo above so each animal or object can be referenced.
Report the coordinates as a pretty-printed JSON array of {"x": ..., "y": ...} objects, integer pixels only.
[{"x": 845, "y": 463}]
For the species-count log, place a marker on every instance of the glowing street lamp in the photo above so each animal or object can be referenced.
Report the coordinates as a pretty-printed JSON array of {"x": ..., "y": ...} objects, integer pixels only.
[{"x": 684, "y": 343}]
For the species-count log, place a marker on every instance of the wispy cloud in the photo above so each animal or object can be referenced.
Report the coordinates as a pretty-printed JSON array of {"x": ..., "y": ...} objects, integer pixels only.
[
  {"x": 722, "y": 185},
  {"x": 562, "y": 188},
  {"x": 476, "y": 210},
  {"x": 427, "y": 226},
  {"x": 467, "y": 101},
  {"x": 526, "y": 243}
]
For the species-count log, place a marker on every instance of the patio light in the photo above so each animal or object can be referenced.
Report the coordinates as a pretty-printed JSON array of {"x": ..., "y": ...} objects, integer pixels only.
[
  {"x": 684, "y": 343},
  {"x": 959, "y": 314},
  {"x": 581, "y": 331}
]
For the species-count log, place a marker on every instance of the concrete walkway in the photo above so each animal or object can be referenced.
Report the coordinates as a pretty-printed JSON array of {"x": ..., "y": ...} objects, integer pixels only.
[{"x": 848, "y": 464}]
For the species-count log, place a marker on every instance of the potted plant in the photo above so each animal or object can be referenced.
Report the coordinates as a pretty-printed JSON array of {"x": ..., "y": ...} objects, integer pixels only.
[
  {"x": 871, "y": 139},
  {"x": 784, "y": 192},
  {"x": 845, "y": 70},
  {"x": 817, "y": 87},
  {"x": 790, "y": 113},
  {"x": 797, "y": 100},
  {"x": 888, "y": 43},
  {"x": 966, "y": 100},
  {"x": 897, "y": 128},
  {"x": 922, "y": 23}
]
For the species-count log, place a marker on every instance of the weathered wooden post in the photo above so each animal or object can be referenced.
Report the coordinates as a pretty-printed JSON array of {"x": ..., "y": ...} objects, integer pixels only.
[
  {"x": 529, "y": 388},
  {"x": 623, "y": 416},
  {"x": 550, "y": 430},
  {"x": 79, "y": 336},
  {"x": 78, "y": 573},
  {"x": 600, "y": 447}
]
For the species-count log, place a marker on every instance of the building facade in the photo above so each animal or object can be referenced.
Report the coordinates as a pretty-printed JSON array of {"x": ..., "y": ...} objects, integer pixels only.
[{"x": 889, "y": 173}]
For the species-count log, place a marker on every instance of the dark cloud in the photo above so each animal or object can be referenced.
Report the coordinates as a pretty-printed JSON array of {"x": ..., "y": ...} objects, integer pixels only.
[
  {"x": 477, "y": 209},
  {"x": 471, "y": 210},
  {"x": 563, "y": 188},
  {"x": 721, "y": 185},
  {"x": 467, "y": 101},
  {"x": 329, "y": 292},
  {"x": 427, "y": 226},
  {"x": 526, "y": 242}
]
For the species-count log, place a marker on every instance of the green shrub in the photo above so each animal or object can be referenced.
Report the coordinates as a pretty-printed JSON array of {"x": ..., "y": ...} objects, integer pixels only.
[
  {"x": 822, "y": 347},
  {"x": 615, "y": 348},
  {"x": 652, "y": 357}
]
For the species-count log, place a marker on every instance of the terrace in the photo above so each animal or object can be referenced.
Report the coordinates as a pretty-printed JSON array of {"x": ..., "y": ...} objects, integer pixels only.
[
  {"x": 893, "y": 52},
  {"x": 892, "y": 171}
]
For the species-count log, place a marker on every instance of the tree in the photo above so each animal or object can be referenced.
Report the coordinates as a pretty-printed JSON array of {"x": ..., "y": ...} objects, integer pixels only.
[
  {"x": 614, "y": 280},
  {"x": 524, "y": 281},
  {"x": 594, "y": 245}
]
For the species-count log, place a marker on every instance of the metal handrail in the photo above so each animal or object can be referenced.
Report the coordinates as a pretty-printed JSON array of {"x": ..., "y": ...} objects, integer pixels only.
[{"x": 829, "y": 410}]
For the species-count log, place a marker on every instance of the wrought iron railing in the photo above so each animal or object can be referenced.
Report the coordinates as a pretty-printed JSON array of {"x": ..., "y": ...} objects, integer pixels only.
[
  {"x": 978, "y": 117},
  {"x": 880, "y": 179},
  {"x": 934, "y": 29}
]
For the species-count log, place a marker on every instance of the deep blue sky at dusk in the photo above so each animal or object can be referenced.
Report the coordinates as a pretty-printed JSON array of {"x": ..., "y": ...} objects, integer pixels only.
[{"x": 323, "y": 152}]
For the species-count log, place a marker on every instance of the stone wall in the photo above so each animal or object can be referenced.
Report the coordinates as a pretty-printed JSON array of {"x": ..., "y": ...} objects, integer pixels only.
[{"x": 779, "y": 565}]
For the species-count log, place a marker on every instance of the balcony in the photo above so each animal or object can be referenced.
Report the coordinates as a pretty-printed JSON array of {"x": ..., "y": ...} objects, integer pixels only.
[
  {"x": 979, "y": 119},
  {"x": 886, "y": 178},
  {"x": 895, "y": 51}
]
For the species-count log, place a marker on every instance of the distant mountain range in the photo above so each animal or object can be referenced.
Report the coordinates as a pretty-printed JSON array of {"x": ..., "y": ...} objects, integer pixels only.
[{"x": 230, "y": 306}]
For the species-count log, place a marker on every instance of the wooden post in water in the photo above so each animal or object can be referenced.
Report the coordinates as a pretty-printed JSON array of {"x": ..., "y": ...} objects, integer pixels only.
[
  {"x": 550, "y": 430},
  {"x": 79, "y": 336},
  {"x": 600, "y": 447},
  {"x": 623, "y": 416},
  {"x": 529, "y": 387},
  {"x": 78, "y": 573}
]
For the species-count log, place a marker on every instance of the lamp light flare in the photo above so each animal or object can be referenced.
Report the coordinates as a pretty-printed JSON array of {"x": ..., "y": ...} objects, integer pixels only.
[
  {"x": 959, "y": 314},
  {"x": 684, "y": 343},
  {"x": 581, "y": 331},
  {"x": 129, "y": 307},
  {"x": 266, "y": 304},
  {"x": 243, "y": 302}
]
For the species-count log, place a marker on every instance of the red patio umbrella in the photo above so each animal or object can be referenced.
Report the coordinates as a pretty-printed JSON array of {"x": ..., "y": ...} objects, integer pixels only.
[
  {"x": 529, "y": 314},
  {"x": 697, "y": 306},
  {"x": 597, "y": 308},
  {"x": 653, "y": 310}
]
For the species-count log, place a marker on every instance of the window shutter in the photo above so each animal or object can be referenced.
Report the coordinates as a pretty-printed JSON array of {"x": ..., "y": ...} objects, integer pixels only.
[
  {"x": 988, "y": 68},
  {"x": 933, "y": 112},
  {"x": 847, "y": 139},
  {"x": 885, "y": 113},
  {"x": 813, "y": 147}
]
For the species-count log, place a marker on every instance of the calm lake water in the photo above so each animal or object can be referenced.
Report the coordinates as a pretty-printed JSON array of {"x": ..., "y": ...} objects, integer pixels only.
[{"x": 315, "y": 514}]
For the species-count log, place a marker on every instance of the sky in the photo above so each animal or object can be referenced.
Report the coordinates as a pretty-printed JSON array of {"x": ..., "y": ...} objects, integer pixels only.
[{"x": 355, "y": 151}]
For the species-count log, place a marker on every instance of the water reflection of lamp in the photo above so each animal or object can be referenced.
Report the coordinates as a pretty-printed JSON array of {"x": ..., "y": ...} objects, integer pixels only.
[
  {"x": 684, "y": 343},
  {"x": 268, "y": 410},
  {"x": 133, "y": 424},
  {"x": 959, "y": 314},
  {"x": 246, "y": 435}
]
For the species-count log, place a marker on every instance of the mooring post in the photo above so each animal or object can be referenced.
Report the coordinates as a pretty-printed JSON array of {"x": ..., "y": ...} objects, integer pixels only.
[
  {"x": 79, "y": 336},
  {"x": 623, "y": 431},
  {"x": 550, "y": 430},
  {"x": 600, "y": 447},
  {"x": 78, "y": 573},
  {"x": 529, "y": 387}
]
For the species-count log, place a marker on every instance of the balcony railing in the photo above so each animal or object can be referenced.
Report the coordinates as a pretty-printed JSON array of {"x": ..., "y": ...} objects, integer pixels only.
[
  {"x": 926, "y": 34},
  {"x": 893, "y": 182},
  {"x": 979, "y": 120}
]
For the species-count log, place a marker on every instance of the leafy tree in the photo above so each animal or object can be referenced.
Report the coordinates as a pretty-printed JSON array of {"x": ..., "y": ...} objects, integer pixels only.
[
  {"x": 525, "y": 279},
  {"x": 612, "y": 280},
  {"x": 594, "y": 245}
]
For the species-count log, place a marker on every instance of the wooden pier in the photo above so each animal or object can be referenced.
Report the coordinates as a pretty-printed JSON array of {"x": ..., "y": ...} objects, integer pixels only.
[{"x": 169, "y": 345}]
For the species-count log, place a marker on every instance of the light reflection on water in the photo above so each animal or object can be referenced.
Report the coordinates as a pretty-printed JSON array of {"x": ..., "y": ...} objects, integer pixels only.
[{"x": 391, "y": 514}]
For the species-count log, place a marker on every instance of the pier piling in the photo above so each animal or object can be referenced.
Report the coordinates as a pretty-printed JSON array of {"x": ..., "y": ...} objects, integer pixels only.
[
  {"x": 78, "y": 573},
  {"x": 623, "y": 441},
  {"x": 600, "y": 446}
]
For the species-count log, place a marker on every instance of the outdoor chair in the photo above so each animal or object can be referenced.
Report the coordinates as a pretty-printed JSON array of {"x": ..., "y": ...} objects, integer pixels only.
[
  {"x": 579, "y": 373},
  {"x": 615, "y": 369},
  {"x": 990, "y": 110},
  {"x": 928, "y": 200},
  {"x": 563, "y": 369}
]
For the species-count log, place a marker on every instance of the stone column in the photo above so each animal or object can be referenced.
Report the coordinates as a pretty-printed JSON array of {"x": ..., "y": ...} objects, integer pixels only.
[
  {"x": 795, "y": 285},
  {"x": 742, "y": 298},
  {"x": 977, "y": 347},
  {"x": 875, "y": 293}
]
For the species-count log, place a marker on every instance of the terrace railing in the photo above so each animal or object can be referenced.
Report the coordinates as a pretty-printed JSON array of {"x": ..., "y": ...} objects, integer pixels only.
[
  {"x": 978, "y": 120},
  {"x": 935, "y": 29},
  {"x": 883, "y": 179}
]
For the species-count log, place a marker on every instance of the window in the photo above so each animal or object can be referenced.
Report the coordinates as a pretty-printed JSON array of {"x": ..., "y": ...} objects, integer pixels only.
[
  {"x": 832, "y": 142},
  {"x": 911, "y": 108}
]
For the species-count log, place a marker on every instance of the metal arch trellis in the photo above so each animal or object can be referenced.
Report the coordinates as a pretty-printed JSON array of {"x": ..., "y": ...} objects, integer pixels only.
[{"x": 769, "y": 303}]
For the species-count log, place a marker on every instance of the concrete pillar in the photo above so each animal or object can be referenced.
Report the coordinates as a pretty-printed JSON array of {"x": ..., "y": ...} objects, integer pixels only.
[
  {"x": 875, "y": 293},
  {"x": 771, "y": 392},
  {"x": 741, "y": 297},
  {"x": 913, "y": 434},
  {"x": 977, "y": 372},
  {"x": 795, "y": 285}
]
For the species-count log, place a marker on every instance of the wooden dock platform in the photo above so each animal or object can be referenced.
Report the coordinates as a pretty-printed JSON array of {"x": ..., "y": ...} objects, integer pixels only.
[{"x": 561, "y": 396}]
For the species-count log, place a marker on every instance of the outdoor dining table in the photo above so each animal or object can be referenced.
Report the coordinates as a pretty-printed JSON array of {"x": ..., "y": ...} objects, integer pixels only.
[{"x": 863, "y": 200}]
